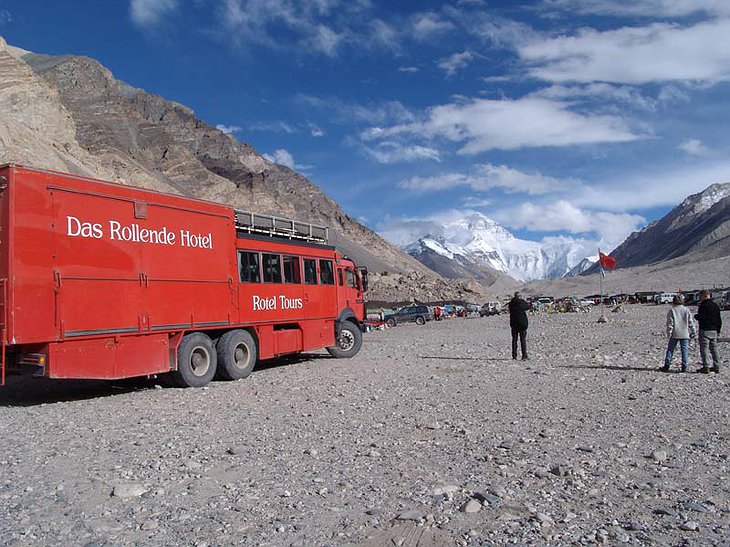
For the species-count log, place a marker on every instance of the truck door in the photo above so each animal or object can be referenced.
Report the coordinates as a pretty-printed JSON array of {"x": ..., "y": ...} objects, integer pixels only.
[{"x": 343, "y": 295}]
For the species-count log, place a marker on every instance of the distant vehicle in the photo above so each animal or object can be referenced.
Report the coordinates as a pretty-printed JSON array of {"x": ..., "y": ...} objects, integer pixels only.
[
  {"x": 544, "y": 300},
  {"x": 490, "y": 308},
  {"x": 417, "y": 314},
  {"x": 663, "y": 298},
  {"x": 587, "y": 302},
  {"x": 472, "y": 308}
]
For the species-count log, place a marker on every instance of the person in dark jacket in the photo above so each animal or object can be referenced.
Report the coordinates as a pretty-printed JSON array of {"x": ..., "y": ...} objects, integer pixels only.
[
  {"x": 518, "y": 323},
  {"x": 710, "y": 322}
]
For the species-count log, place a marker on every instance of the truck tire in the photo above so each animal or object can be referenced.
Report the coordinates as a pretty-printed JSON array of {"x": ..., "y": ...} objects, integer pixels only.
[
  {"x": 391, "y": 322},
  {"x": 236, "y": 354},
  {"x": 420, "y": 320},
  {"x": 196, "y": 361},
  {"x": 348, "y": 341}
]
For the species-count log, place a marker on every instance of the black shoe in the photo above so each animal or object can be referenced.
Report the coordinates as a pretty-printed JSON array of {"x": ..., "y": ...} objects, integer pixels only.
[
  {"x": 703, "y": 370},
  {"x": 716, "y": 370},
  {"x": 525, "y": 358},
  {"x": 514, "y": 357},
  {"x": 664, "y": 369},
  {"x": 684, "y": 368}
]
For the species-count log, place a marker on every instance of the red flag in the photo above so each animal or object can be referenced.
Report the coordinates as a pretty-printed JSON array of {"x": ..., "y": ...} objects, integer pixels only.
[{"x": 606, "y": 261}]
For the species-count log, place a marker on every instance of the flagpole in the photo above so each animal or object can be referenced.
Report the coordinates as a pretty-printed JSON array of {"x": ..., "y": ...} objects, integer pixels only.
[{"x": 602, "y": 318}]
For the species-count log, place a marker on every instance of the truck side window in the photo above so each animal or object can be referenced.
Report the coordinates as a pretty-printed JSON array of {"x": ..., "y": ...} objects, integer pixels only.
[
  {"x": 310, "y": 271},
  {"x": 350, "y": 278},
  {"x": 340, "y": 280},
  {"x": 292, "y": 274},
  {"x": 272, "y": 268},
  {"x": 249, "y": 267},
  {"x": 326, "y": 272}
]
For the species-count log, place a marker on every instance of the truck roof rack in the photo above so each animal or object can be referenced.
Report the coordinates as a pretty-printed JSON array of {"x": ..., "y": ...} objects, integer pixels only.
[{"x": 273, "y": 226}]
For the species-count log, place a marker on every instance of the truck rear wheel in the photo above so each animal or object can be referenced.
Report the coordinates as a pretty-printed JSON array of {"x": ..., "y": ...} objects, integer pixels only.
[
  {"x": 236, "y": 354},
  {"x": 348, "y": 341},
  {"x": 196, "y": 361},
  {"x": 420, "y": 320}
]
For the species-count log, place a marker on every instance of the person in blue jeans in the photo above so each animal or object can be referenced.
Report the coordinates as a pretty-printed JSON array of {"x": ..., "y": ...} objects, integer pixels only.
[{"x": 680, "y": 328}]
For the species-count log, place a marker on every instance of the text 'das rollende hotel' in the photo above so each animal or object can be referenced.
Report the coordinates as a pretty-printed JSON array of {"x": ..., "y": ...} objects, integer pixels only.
[{"x": 134, "y": 233}]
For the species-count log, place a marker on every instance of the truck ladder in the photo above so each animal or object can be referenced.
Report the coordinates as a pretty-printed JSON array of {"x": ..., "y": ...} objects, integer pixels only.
[
  {"x": 3, "y": 326},
  {"x": 273, "y": 226}
]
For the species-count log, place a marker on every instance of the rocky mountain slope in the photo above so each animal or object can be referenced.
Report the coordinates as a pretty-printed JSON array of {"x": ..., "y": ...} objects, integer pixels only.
[
  {"x": 699, "y": 227},
  {"x": 69, "y": 113},
  {"x": 477, "y": 247}
]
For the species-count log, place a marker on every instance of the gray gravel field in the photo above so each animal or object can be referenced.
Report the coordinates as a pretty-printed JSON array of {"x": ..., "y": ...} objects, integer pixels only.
[{"x": 431, "y": 435}]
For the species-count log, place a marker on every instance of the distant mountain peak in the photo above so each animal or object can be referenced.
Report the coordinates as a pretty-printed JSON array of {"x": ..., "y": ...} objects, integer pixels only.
[{"x": 477, "y": 242}]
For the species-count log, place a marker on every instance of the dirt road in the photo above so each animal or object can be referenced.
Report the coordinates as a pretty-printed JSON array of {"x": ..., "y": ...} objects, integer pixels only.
[{"x": 431, "y": 435}]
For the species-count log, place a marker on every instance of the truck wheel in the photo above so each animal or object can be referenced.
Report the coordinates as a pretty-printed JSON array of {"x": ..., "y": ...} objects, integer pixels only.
[
  {"x": 196, "y": 361},
  {"x": 391, "y": 322},
  {"x": 236, "y": 354},
  {"x": 348, "y": 342},
  {"x": 420, "y": 320}
]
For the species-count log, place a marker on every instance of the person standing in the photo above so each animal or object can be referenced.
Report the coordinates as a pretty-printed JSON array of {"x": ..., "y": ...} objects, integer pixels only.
[
  {"x": 680, "y": 328},
  {"x": 710, "y": 322},
  {"x": 518, "y": 323}
]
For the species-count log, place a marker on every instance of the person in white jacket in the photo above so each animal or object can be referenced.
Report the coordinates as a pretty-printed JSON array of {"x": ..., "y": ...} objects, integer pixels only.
[{"x": 680, "y": 328}]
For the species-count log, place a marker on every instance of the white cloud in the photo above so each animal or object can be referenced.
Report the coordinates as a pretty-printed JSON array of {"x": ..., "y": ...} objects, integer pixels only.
[
  {"x": 305, "y": 27},
  {"x": 407, "y": 69},
  {"x": 626, "y": 95},
  {"x": 456, "y": 62},
  {"x": 393, "y": 152},
  {"x": 694, "y": 147},
  {"x": 656, "y": 187},
  {"x": 282, "y": 157},
  {"x": 483, "y": 125},
  {"x": 5, "y": 17},
  {"x": 402, "y": 231},
  {"x": 148, "y": 13},
  {"x": 228, "y": 129},
  {"x": 647, "y": 8},
  {"x": 563, "y": 216},
  {"x": 426, "y": 26},
  {"x": 315, "y": 130},
  {"x": 325, "y": 40},
  {"x": 660, "y": 52},
  {"x": 274, "y": 127},
  {"x": 349, "y": 112},
  {"x": 487, "y": 177}
]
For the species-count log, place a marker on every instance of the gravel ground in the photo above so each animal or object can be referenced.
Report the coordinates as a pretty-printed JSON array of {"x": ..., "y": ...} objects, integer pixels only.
[{"x": 431, "y": 435}]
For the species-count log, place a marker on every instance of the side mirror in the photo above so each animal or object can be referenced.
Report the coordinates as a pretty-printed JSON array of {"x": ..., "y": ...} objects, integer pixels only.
[{"x": 364, "y": 278}]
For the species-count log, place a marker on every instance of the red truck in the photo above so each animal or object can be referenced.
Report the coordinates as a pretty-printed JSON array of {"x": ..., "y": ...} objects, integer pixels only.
[{"x": 102, "y": 280}]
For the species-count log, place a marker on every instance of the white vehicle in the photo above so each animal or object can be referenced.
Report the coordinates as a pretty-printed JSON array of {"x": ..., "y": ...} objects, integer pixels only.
[
  {"x": 587, "y": 302},
  {"x": 663, "y": 298}
]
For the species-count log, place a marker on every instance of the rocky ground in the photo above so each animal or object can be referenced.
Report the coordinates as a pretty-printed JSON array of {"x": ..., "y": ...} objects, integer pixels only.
[{"x": 431, "y": 435}]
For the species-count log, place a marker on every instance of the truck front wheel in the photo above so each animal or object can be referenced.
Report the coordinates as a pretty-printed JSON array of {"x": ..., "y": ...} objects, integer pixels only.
[
  {"x": 236, "y": 354},
  {"x": 196, "y": 361},
  {"x": 348, "y": 341}
]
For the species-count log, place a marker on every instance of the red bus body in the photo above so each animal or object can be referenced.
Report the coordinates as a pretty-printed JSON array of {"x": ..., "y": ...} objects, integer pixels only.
[{"x": 103, "y": 280}]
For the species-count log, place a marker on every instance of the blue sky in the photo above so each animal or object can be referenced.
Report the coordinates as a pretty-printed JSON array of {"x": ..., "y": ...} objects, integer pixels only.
[{"x": 583, "y": 119}]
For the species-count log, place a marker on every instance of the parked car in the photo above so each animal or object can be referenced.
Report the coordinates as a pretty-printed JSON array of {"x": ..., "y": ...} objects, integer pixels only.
[
  {"x": 417, "y": 314},
  {"x": 490, "y": 308},
  {"x": 663, "y": 298},
  {"x": 587, "y": 302}
]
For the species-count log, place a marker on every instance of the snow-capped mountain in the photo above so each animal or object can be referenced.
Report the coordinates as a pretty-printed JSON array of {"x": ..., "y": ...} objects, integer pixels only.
[
  {"x": 700, "y": 225},
  {"x": 477, "y": 242}
]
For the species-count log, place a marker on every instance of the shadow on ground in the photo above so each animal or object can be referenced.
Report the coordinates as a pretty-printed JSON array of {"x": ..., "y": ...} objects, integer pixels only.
[{"x": 29, "y": 391}]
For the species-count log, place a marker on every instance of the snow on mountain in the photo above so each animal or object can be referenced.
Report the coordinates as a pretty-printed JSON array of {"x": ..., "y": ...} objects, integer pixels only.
[
  {"x": 481, "y": 241},
  {"x": 582, "y": 266}
]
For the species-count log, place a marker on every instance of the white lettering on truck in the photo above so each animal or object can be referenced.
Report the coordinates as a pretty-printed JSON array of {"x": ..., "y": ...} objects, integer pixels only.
[
  {"x": 135, "y": 233},
  {"x": 270, "y": 304},
  {"x": 76, "y": 228}
]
